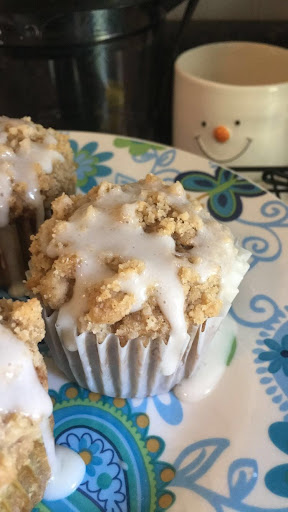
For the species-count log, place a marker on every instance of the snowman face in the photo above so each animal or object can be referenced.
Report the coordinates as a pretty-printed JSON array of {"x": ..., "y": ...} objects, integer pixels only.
[
  {"x": 223, "y": 142},
  {"x": 241, "y": 127}
]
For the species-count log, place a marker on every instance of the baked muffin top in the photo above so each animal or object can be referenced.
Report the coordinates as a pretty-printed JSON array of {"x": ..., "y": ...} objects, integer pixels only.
[
  {"x": 24, "y": 402},
  {"x": 138, "y": 260},
  {"x": 36, "y": 165}
]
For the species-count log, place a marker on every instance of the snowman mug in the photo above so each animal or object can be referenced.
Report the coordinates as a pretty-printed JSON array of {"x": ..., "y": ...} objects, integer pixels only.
[{"x": 231, "y": 103}]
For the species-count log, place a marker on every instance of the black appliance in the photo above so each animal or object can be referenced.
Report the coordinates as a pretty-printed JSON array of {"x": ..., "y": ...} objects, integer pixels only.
[{"x": 95, "y": 65}]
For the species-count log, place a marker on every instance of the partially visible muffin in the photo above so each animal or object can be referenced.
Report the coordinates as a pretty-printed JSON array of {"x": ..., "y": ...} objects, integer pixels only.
[
  {"x": 130, "y": 277},
  {"x": 36, "y": 166},
  {"x": 24, "y": 405}
]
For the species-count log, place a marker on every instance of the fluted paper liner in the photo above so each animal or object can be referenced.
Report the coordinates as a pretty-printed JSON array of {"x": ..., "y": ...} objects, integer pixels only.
[{"x": 130, "y": 371}]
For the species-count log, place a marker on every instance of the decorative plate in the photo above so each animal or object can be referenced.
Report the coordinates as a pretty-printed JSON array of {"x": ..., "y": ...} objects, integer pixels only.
[{"x": 229, "y": 451}]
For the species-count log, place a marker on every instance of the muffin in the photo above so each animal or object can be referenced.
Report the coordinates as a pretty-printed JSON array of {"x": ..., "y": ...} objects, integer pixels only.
[
  {"x": 24, "y": 404},
  {"x": 133, "y": 279},
  {"x": 36, "y": 166},
  {"x": 31, "y": 466}
]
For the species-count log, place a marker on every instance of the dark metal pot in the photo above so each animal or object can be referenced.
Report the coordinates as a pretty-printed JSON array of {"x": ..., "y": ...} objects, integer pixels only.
[{"x": 80, "y": 66}]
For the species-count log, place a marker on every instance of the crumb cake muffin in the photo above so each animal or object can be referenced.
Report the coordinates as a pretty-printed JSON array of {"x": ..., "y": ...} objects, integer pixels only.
[
  {"x": 36, "y": 166},
  {"x": 30, "y": 465},
  {"x": 133, "y": 278},
  {"x": 24, "y": 403}
]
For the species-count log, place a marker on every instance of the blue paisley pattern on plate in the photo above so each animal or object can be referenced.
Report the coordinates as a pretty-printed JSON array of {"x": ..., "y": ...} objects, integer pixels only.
[
  {"x": 198, "y": 458},
  {"x": 123, "y": 470},
  {"x": 266, "y": 245}
]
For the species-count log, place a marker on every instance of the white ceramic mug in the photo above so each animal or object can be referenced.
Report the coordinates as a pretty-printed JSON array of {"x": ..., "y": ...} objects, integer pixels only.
[{"x": 231, "y": 103}]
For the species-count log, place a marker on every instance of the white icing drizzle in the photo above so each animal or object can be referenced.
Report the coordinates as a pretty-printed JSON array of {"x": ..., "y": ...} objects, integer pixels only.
[
  {"x": 216, "y": 249},
  {"x": 20, "y": 389},
  {"x": 68, "y": 474},
  {"x": 19, "y": 167},
  {"x": 93, "y": 232},
  {"x": 22, "y": 392},
  {"x": 211, "y": 364}
]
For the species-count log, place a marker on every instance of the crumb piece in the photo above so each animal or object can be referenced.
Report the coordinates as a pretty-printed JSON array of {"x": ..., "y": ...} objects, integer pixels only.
[
  {"x": 24, "y": 319},
  {"x": 148, "y": 323}
]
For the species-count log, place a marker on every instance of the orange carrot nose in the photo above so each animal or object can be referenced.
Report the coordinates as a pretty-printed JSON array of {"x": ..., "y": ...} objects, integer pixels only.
[{"x": 221, "y": 133}]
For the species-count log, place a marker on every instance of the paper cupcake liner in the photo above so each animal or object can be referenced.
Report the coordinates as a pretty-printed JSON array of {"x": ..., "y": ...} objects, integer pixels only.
[{"x": 130, "y": 371}]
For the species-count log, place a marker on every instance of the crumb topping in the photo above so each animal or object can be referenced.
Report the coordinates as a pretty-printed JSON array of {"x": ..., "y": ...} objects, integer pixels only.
[
  {"x": 24, "y": 468},
  {"x": 35, "y": 163},
  {"x": 25, "y": 320},
  {"x": 165, "y": 214}
]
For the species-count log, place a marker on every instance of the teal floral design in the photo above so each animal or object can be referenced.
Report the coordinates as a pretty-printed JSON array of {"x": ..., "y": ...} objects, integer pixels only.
[
  {"x": 224, "y": 191},
  {"x": 277, "y": 355},
  {"x": 277, "y": 478},
  {"x": 90, "y": 164},
  {"x": 198, "y": 458},
  {"x": 124, "y": 468},
  {"x": 90, "y": 447},
  {"x": 136, "y": 147},
  {"x": 104, "y": 476},
  {"x": 272, "y": 364}
]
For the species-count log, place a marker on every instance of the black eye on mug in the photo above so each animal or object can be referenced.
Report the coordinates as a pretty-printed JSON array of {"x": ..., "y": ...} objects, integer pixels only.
[
  {"x": 237, "y": 122},
  {"x": 203, "y": 124}
]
